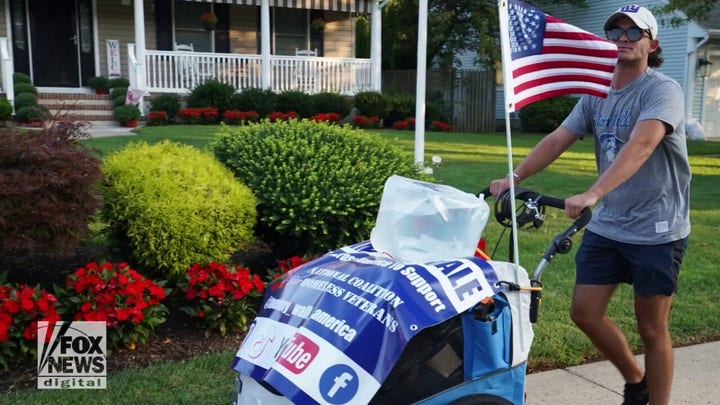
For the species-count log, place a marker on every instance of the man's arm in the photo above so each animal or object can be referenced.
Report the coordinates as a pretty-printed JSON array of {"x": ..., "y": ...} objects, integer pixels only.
[
  {"x": 643, "y": 140},
  {"x": 540, "y": 157}
]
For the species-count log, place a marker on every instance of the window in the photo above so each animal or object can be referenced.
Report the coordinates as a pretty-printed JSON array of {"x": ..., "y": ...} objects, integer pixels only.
[
  {"x": 188, "y": 28},
  {"x": 291, "y": 30}
]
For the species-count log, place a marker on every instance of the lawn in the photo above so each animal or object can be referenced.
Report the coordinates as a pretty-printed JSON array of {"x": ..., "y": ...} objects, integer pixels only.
[{"x": 469, "y": 162}]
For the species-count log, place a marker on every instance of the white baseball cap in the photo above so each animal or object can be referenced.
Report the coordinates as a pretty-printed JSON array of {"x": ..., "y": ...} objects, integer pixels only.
[{"x": 641, "y": 16}]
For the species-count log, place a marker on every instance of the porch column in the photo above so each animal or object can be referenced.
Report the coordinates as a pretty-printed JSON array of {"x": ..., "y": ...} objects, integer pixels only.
[
  {"x": 376, "y": 45},
  {"x": 265, "y": 44},
  {"x": 139, "y": 14}
]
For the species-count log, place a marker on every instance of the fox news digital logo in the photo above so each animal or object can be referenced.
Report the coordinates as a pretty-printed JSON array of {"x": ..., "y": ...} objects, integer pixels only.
[{"x": 72, "y": 355}]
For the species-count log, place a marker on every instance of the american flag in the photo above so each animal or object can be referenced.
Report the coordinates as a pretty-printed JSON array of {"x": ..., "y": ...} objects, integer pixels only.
[{"x": 549, "y": 57}]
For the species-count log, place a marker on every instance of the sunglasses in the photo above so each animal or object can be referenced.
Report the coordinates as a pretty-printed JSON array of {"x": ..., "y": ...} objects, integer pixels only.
[{"x": 633, "y": 34}]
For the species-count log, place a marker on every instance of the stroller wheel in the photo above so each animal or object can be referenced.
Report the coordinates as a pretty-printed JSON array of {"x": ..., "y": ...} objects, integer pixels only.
[{"x": 481, "y": 399}]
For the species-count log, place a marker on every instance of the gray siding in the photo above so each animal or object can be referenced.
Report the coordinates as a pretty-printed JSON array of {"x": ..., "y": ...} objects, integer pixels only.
[
  {"x": 116, "y": 21},
  {"x": 673, "y": 40}
]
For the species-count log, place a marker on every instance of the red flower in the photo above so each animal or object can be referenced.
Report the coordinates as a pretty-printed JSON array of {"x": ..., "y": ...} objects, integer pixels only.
[
  {"x": 441, "y": 126},
  {"x": 117, "y": 295},
  {"x": 276, "y": 116},
  {"x": 11, "y": 306},
  {"x": 218, "y": 295}
]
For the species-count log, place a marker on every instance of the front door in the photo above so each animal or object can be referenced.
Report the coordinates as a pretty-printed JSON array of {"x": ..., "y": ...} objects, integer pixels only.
[{"x": 61, "y": 42}]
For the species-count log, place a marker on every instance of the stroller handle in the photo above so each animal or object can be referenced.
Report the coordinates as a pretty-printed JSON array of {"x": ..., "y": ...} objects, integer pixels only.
[{"x": 525, "y": 195}]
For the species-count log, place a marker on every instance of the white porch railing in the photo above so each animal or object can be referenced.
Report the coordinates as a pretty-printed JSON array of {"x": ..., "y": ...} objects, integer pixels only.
[
  {"x": 6, "y": 64},
  {"x": 179, "y": 72}
]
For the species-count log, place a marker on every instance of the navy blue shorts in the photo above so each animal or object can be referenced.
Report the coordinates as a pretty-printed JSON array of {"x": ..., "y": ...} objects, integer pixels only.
[{"x": 650, "y": 269}]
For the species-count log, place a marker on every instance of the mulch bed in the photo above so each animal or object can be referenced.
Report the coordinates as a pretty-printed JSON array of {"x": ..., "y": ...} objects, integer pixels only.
[{"x": 177, "y": 339}]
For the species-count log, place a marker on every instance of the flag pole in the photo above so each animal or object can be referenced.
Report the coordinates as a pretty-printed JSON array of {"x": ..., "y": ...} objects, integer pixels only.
[{"x": 509, "y": 107}]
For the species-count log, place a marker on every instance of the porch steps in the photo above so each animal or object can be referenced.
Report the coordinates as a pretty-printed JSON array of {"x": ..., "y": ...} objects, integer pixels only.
[{"x": 96, "y": 109}]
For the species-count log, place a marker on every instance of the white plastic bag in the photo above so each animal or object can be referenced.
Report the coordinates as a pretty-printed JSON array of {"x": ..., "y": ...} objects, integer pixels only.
[{"x": 420, "y": 222}]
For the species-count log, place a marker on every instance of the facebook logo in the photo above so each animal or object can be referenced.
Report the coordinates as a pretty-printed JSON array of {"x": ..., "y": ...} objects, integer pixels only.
[{"x": 339, "y": 384}]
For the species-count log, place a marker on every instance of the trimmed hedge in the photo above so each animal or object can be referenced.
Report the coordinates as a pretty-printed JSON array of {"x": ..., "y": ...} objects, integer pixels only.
[
  {"x": 319, "y": 185},
  {"x": 175, "y": 205}
]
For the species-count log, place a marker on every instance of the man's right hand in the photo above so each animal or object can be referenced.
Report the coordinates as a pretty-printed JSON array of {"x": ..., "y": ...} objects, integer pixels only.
[{"x": 499, "y": 185}]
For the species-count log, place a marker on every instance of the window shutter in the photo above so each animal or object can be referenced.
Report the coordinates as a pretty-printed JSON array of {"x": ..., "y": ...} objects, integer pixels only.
[
  {"x": 222, "y": 28},
  {"x": 163, "y": 25},
  {"x": 317, "y": 36}
]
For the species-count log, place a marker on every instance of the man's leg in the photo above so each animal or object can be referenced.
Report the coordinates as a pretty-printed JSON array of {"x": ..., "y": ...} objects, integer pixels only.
[
  {"x": 652, "y": 318},
  {"x": 588, "y": 312}
]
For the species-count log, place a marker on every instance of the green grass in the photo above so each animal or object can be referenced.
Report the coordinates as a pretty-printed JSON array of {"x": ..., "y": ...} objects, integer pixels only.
[{"x": 469, "y": 162}]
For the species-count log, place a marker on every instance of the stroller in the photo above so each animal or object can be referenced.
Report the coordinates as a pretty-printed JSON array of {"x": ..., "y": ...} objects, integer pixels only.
[{"x": 362, "y": 329}]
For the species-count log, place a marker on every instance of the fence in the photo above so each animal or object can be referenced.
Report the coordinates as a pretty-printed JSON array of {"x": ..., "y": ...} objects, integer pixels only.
[{"x": 468, "y": 95}]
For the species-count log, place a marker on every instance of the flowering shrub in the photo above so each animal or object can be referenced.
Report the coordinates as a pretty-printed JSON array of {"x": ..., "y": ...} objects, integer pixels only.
[
  {"x": 440, "y": 126},
  {"x": 361, "y": 121},
  {"x": 156, "y": 118},
  {"x": 235, "y": 117},
  {"x": 117, "y": 295},
  {"x": 326, "y": 117},
  {"x": 193, "y": 116},
  {"x": 317, "y": 24},
  {"x": 208, "y": 18},
  {"x": 276, "y": 116},
  {"x": 408, "y": 123},
  {"x": 220, "y": 297},
  {"x": 21, "y": 308}
]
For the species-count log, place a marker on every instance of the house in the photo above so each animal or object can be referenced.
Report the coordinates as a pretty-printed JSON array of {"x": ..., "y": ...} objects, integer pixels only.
[
  {"x": 684, "y": 48},
  {"x": 691, "y": 52},
  {"x": 163, "y": 46}
]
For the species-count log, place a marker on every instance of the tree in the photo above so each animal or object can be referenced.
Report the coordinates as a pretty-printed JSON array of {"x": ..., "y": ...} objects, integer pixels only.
[
  {"x": 455, "y": 26},
  {"x": 698, "y": 10}
]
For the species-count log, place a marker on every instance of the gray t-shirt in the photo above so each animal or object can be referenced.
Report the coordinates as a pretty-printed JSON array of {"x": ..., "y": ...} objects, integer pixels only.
[{"x": 652, "y": 206}]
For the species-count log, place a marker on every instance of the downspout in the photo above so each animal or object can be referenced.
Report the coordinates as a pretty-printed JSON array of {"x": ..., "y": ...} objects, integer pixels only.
[
  {"x": 376, "y": 45},
  {"x": 690, "y": 81}
]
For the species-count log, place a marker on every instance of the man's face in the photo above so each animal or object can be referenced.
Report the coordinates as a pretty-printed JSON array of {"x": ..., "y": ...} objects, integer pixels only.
[{"x": 632, "y": 49}]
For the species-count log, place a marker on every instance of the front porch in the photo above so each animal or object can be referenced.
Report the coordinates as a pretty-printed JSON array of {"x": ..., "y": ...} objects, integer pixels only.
[{"x": 181, "y": 71}]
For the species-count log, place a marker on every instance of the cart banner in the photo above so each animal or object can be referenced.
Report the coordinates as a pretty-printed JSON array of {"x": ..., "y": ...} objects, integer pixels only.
[{"x": 330, "y": 331}]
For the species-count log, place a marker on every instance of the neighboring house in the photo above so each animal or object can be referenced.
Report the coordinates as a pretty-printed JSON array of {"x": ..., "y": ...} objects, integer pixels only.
[
  {"x": 162, "y": 46},
  {"x": 683, "y": 48}
]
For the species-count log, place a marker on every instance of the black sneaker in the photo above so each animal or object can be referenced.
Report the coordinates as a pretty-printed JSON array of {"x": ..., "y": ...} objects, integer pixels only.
[{"x": 636, "y": 394}]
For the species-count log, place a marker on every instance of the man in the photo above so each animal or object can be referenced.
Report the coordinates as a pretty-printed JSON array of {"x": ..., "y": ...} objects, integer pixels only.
[{"x": 640, "y": 226}]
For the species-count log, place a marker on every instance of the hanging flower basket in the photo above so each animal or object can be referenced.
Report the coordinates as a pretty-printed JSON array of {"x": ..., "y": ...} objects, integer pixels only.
[
  {"x": 317, "y": 24},
  {"x": 208, "y": 20}
]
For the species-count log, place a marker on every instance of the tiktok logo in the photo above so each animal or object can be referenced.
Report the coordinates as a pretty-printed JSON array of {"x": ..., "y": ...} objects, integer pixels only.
[{"x": 339, "y": 384}]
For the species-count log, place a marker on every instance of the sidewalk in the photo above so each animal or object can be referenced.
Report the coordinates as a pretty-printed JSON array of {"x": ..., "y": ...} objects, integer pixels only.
[
  {"x": 696, "y": 382},
  {"x": 102, "y": 131}
]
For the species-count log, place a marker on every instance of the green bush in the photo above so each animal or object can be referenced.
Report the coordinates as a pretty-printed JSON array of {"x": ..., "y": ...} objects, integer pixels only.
[
  {"x": 49, "y": 190},
  {"x": 328, "y": 102},
  {"x": 174, "y": 205},
  {"x": 400, "y": 107},
  {"x": 258, "y": 100},
  {"x": 119, "y": 101},
  {"x": 371, "y": 103},
  {"x": 118, "y": 82},
  {"x": 297, "y": 101},
  {"x": 25, "y": 100},
  {"x": 5, "y": 109},
  {"x": 319, "y": 186},
  {"x": 21, "y": 88},
  {"x": 546, "y": 115},
  {"x": 99, "y": 83},
  {"x": 168, "y": 102},
  {"x": 118, "y": 92},
  {"x": 212, "y": 93},
  {"x": 32, "y": 113},
  {"x": 126, "y": 113},
  {"x": 19, "y": 77}
]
